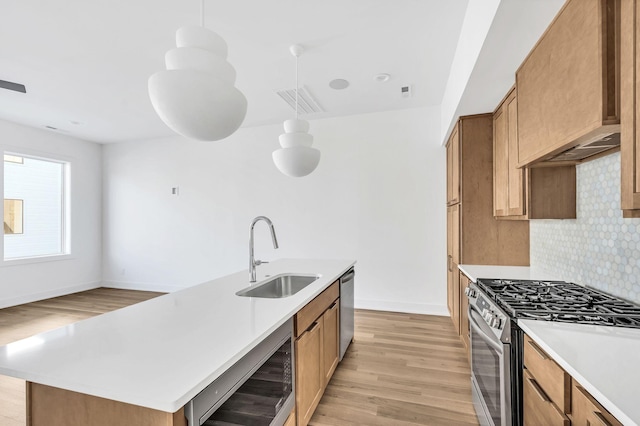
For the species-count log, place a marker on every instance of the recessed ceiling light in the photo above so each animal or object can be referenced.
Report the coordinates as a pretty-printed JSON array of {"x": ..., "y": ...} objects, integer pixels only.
[
  {"x": 382, "y": 78},
  {"x": 339, "y": 84}
]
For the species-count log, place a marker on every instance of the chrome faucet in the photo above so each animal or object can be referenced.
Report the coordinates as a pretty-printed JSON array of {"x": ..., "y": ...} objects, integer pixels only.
[{"x": 252, "y": 262}]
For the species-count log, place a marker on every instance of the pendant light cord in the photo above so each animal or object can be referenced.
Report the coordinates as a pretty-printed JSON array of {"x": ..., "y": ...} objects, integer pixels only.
[{"x": 296, "y": 87}]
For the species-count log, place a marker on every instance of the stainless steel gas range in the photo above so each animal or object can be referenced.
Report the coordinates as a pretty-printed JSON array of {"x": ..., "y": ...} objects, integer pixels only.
[{"x": 497, "y": 342}]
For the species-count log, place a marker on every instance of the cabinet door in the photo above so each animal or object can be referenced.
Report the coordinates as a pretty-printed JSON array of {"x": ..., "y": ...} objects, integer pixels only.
[
  {"x": 630, "y": 108},
  {"x": 453, "y": 258},
  {"x": 309, "y": 374},
  {"x": 331, "y": 341},
  {"x": 453, "y": 167},
  {"x": 464, "y": 306},
  {"x": 500, "y": 163},
  {"x": 517, "y": 182},
  {"x": 538, "y": 408},
  {"x": 587, "y": 411},
  {"x": 508, "y": 180}
]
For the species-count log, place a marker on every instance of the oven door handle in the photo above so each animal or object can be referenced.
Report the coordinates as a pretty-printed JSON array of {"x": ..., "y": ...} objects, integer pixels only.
[{"x": 476, "y": 326}]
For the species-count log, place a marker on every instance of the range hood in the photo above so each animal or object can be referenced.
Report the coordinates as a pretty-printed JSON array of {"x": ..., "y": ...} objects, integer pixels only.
[{"x": 587, "y": 149}]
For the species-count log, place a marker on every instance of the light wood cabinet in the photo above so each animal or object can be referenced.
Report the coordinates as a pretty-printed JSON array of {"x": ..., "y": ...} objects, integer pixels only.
[
  {"x": 549, "y": 376},
  {"x": 552, "y": 397},
  {"x": 546, "y": 388},
  {"x": 453, "y": 167},
  {"x": 630, "y": 108},
  {"x": 474, "y": 236},
  {"x": 316, "y": 327},
  {"x": 464, "y": 313},
  {"x": 331, "y": 340},
  {"x": 568, "y": 86},
  {"x": 309, "y": 372},
  {"x": 524, "y": 193},
  {"x": 538, "y": 408},
  {"x": 50, "y": 406},
  {"x": 586, "y": 411}
]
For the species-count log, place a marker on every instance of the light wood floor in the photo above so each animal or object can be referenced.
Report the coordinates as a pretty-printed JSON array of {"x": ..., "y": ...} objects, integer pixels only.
[
  {"x": 401, "y": 370},
  {"x": 22, "y": 321}
]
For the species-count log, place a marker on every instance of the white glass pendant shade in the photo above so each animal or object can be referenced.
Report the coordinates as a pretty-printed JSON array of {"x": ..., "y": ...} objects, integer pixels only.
[
  {"x": 296, "y": 158},
  {"x": 296, "y": 161},
  {"x": 196, "y": 96}
]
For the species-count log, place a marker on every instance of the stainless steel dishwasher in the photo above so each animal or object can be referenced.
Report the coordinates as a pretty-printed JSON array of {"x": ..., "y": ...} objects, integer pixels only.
[
  {"x": 347, "y": 282},
  {"x": 256, "y": 390}
]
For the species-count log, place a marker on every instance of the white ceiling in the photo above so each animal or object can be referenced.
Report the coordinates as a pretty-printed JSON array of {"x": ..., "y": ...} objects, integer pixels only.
[{"x": 88, "y": 62}]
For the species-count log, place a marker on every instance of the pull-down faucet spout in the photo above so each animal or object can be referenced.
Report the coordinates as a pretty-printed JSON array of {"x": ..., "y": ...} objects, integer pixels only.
[{"x": 252, "y": 262}]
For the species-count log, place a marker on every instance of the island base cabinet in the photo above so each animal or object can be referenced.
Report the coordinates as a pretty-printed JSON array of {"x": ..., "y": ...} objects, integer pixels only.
[
  {"x": 50, "y": 406},
  {"x": 330, "y": 341},
  {"x": 309, "y": 372}
]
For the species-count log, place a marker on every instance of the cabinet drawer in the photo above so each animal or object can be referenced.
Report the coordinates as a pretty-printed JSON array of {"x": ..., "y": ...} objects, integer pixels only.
[
  {"x": 587, "y": 411},
  {"x": 538, "y": 407},
  {"x": 307, "y": 315},
  {"x": 553, "y": 380}
]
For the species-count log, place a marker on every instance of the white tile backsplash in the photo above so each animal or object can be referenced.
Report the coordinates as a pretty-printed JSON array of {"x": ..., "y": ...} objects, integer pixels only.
[{"x": 600, "y": 248}]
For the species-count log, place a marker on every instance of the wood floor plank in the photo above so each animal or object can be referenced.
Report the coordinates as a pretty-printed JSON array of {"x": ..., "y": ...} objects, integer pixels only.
[{"x": 402, "y": 369}]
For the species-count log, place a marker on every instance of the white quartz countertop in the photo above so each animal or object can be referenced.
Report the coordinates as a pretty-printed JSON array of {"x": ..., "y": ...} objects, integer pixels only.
[
  {"x": 504, "y": 272},
  {"x": 161, "y": 353},
  {"x": 604, "y": 360}
]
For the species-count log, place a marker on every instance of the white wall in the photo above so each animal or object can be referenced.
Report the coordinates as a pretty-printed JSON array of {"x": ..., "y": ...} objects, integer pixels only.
[
  {"x": 26, "y": 282},
  {"x": 378, "y": 196}
]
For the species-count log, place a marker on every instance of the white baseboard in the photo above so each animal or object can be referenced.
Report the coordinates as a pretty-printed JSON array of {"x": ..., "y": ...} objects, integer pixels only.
[
  {"x": 410, "y": 308},
  {"x": 128, "y": 285},
  {"x": 34, "y": 297}
]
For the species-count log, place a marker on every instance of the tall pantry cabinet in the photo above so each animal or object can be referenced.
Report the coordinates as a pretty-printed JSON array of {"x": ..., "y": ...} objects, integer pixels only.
[{"x": 474, "y": 236}]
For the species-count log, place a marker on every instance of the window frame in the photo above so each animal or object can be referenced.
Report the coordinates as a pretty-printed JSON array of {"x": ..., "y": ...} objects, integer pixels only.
[{"x": 66, "y": 190}]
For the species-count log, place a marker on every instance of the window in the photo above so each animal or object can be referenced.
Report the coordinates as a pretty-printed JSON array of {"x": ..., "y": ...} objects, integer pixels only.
[{"x": 35, "y": 207}]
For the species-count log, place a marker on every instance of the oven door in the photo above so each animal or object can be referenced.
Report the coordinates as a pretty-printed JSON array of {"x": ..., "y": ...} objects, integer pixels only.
[{"x": 490, "y": 373}]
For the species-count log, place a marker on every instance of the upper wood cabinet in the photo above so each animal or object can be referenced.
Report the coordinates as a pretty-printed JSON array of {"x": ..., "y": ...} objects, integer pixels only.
[
  {"x": 525, "y": 193},
  {"x": 453, "y": 167},
  {"x": 629, "y": 98},
  {"x": 509, "y": 181},
  {"x": 568, "y": 90},
  {"x": 474, "y": 236}
]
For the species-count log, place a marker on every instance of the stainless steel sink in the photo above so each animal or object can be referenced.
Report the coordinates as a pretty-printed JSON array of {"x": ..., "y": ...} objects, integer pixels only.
[{"x": 284, "y": 285}]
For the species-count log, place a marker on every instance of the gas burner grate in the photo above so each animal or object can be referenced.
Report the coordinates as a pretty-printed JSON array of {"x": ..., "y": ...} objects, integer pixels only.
[{"x": 560, "y": 301}]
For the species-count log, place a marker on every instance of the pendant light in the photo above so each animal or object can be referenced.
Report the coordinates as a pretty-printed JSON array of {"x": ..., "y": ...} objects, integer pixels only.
[
  {"x": 296, "y": 158},
  {"x": 195, "y": 96}
]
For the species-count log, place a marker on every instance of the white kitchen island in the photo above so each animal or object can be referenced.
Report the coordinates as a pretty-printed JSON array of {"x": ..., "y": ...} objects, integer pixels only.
[{"x": 159, "y": 354}]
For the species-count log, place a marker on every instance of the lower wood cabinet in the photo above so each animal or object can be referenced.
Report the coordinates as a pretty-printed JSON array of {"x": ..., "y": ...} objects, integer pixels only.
[
  {"x": 585, "y": 410},
  {"x": 464, "y": 313},
  {"x": 539, "y": 409},
  {"x": 49, "y": 406},
  {"x": 331, "y": 340},
  {"x": 552, "y": 397},
  {"x": 316, "y": 327},
  {"x": 309, "y": 372}
]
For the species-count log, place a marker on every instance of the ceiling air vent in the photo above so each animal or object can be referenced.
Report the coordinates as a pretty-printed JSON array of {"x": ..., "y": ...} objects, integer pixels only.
[
  {"x": 307, "y": 104},
  {"x": 16, "y": 87}
]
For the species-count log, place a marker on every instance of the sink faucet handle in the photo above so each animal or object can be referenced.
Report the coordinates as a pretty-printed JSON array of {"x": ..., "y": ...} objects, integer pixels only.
[{"x": 260, "y": 262}]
